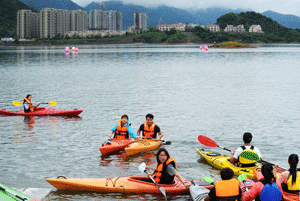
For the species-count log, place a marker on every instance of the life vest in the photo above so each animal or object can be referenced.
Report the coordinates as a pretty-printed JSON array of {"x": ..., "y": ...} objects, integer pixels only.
[
  {"x": 160, "y": 175},
  {"x": 149, "y": 131},
  {"x": 296, "y": 186},
  {"x": 31, "y": 109},
  {"x": 270, "y": 193},
  {"x": 121, "y": 131},
  {"x": 246, "y": 162},
  {"x": 227, "y": 189}
]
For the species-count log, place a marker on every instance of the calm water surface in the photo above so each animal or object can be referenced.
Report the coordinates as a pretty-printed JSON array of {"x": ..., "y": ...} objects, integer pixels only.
[{"x": 219, "y": 93}]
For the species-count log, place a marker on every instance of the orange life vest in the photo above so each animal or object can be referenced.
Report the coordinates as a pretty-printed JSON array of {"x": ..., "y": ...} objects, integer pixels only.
[
  {"x": 160, "y": 175},
  {"x": 228, "y": 189},
  {"x": 149, "y": 130},
  {"x": 121, "y": 131},
  {"x": 31, "y": 109}
]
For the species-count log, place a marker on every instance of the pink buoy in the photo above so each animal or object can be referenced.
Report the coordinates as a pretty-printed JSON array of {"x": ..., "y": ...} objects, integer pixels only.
[
  {"x": 67, "y": 49},
  {"x": 76, "y": 49},
  {"x": 201, "y": 47}
]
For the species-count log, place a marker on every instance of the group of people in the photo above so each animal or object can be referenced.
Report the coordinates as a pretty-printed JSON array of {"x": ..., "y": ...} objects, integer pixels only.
[{"x": 267, "y": 189}]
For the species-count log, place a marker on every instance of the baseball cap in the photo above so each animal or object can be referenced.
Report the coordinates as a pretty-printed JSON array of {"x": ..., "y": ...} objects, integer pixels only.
[{"x": 247, "y": 137}]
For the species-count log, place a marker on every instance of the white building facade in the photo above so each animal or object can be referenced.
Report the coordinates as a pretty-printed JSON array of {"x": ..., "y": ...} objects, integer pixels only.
[{"x": 140, "y": 21}]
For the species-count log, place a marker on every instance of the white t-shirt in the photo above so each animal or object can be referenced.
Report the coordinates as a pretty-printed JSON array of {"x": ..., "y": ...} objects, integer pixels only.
[{"x": 240, "y": 150}]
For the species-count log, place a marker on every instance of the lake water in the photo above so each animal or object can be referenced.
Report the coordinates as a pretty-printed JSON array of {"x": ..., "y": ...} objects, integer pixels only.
[{"x": 221, "y": 94}]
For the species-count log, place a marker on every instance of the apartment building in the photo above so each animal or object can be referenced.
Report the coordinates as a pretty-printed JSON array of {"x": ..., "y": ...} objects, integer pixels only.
[
  {"x": 167, "y": 27},
  {"x": 78, "y": 20},
  {"x": 24, "y": 23},
  {"x": 213, "y": 27},
  {"x": 105, "y": 20},
  {"x": 140, "y": 21}
]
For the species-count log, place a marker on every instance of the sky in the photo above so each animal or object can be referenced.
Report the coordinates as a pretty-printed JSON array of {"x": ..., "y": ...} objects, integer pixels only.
[{"x": 280, "y": 6}]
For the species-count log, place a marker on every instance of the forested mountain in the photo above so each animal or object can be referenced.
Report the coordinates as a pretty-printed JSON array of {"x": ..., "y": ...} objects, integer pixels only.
[
  {"x": 8, "y": 16},
  {"x": 57, "y": 4},
  {"x": 290, "y": 21}
]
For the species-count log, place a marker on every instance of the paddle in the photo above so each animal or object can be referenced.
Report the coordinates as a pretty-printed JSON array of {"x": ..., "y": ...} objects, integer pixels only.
[
  {"x": 209, "y": 180},
  {"x": 209, "y": 142},
  {"x": 142, "y": 168},
  {"x": 18, "y": 103},
  {"x": 15, "y": 195},
  {"x": 242, "y": 178},
  {"x": 164, "y": 142}
]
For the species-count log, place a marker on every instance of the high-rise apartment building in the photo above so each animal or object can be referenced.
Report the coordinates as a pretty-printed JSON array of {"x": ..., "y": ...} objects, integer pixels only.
[
  {"x": 105, "y": 20},
  {"x": 48, "y": 22},
  {"x": 62, "y": 21},
  {"x": 24, "y": 23},
  {"x": 140, "y": 21},
  {"x": 78, "y": 20}
]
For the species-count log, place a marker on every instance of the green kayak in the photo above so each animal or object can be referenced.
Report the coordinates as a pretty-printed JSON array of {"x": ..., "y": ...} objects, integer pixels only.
[{"x": 9, "y": 194}]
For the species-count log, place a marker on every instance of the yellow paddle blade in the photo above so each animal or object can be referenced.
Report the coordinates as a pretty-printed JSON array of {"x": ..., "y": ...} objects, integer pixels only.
[
  {"x": 53, "y": 103},
  {"x": 17, "y": 103}
]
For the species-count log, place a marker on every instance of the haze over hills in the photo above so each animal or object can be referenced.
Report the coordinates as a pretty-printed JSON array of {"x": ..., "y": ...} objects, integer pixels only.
[
  {"x": 57, "y": 4},
  {"x": 290, "y": 21}
]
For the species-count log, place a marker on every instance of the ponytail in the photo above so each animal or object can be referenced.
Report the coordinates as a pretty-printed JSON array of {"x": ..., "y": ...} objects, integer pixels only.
[
  {"x": 293, "y": 160},
  {"x": 267, "y": 172}
]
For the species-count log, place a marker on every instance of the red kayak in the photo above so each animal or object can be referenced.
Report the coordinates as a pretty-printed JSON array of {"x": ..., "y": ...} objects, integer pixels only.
[
  {"x": 115, "y": 145},
  {"x": 286, "y": 196},
  {"x": 42, "y": 112}
]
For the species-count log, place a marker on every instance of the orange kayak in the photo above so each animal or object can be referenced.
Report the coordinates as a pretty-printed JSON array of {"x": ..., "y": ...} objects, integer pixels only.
[
  {"x": 142, "y": 145},
  {"x": 286, "y": 196},
  {"x": 130, "y": 184},
  {"x": 115, "y": 145}
]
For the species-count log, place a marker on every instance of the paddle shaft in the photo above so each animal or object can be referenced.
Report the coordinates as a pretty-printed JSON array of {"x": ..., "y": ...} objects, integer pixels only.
[{"x": 162, "y": 190}]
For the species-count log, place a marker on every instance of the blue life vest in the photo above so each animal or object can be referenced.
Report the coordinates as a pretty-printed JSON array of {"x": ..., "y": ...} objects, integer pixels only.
[{"x": 271, "y": 193}]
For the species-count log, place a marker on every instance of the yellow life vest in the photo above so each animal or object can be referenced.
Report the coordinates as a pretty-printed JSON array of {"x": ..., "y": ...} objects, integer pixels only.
[
  {"x": 296, "y": 185},
  {"x": 227, "y": 189},
  {"x": 246, "y": 162}
]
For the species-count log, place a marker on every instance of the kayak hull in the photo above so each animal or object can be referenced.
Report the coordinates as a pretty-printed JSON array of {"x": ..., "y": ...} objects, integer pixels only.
[
  {"x": 6, "y": 196},
  {"x": 220, "y": 161},
  {"x": 286, "y": 196},
  {"x": 131, "y": 184},
  {"x": 42, "y": 112},
  {"x": 142, "y": 145},
  {"x": 115, "y": 146}
]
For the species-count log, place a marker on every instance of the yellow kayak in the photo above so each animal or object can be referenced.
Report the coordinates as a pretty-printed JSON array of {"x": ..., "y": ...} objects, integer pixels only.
[
  {"x": 142, "y": 145},
  {"x": 220, "y": 161}
]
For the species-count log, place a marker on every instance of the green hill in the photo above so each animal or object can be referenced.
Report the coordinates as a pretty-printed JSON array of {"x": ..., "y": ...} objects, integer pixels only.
[
  {"x": 273, "y": 30},
  {"x": 8, "y": 17}
]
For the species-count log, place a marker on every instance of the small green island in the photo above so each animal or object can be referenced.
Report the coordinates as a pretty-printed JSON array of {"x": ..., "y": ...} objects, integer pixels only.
[{"x": 230, "y": 45}]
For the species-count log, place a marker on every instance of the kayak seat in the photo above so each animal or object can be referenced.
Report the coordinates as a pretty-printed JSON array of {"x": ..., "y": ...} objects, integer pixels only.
[{"x": 213, "y": 154}]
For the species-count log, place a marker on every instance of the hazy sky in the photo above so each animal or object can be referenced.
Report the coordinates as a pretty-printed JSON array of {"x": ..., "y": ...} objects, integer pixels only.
[{"x": 280, "y": 6}]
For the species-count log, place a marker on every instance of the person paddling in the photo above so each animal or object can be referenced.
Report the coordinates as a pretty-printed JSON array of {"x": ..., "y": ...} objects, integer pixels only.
[
  {"x": 150, "y": 129},
  {"x": 267, "y": 189},
  {"x": 290, "y": 180},
  {"x": 166, "y": 169},
  {"x": 27, "y": 104},
  {"x": 123, "y": 129},
  {"x": 226, "y": 189},
  {"x": 234, "y": 158}
]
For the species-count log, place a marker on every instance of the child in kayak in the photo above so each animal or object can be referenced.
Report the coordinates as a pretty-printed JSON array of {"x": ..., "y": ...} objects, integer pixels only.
[
  {"x": 226, "y": 189},
  {"x": 267, "y": 189},
  {"x": 166, "y": 169},
  {"x": 122, "y": 129},
  {"x": 27, "y": 104},
  {"x": 150, "y": 129},
  {"x": 290, "y": 180},
  {"x": 234, "y": 158}
]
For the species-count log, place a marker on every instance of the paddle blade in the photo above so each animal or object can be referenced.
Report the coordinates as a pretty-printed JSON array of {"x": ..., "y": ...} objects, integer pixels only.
[
  {"x": 17, "y": 103},
  {"x": 250, "y": 156},
  {"x": 208, "y": 179},
  {"x": 162, "y": 190},
  {"x": 242, "y": 177},
  {"x": 207, "y": 141},
  {"x": 142, "y": 167},
  {"x": 53, "y": 103}
]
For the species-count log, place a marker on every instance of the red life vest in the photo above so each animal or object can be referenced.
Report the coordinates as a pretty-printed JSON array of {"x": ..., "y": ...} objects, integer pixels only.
[
  {"x": 149, "y": 130},
  {"x": 228, "y": 189},
  {"x": 31, "y": 109},
  {"x": 160, "y": 175},
  {"x": 121, "y": 131}
]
